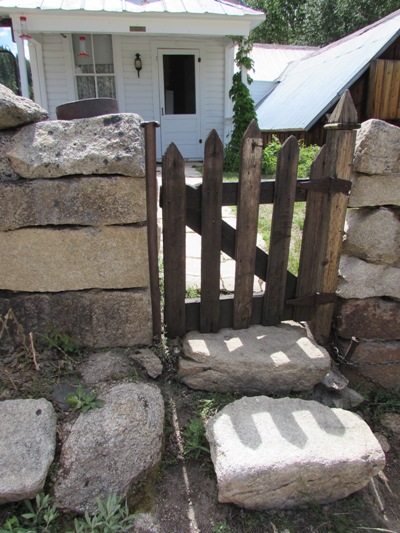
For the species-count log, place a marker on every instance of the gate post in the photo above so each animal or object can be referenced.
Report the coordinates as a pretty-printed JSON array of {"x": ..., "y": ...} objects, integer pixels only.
[{"x": 340, "y": 143}]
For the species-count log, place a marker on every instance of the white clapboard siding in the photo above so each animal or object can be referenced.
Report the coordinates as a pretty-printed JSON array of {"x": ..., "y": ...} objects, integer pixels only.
[
  {"x": 57, "y": 71},
  {"x": 215, "y": 87}
]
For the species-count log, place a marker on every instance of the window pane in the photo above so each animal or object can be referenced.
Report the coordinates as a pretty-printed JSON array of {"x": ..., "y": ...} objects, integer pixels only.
[
  {"x": 86, "y": 87},
  {"x": 103, "y": 53},
  {"x": 179, "y": 84},
  {"x": 106, "y": 86}
]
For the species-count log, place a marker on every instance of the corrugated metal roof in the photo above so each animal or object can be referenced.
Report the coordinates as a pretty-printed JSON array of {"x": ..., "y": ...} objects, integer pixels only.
[
  {"x": 311, "y": 86},
  {"x": 214, "y": 7},
  {"x": 270, "y": 60}
]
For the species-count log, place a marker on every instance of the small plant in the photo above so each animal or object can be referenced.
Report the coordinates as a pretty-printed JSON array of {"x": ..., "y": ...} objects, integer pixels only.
[
  {"x": 41, "y": 516},
  {"x": 84, "y": 400},
  {"x": 382, "y": 401},
  {"x": 220, "y": 527},
  {"x": 111, "y": 517},
  {"x": 195, "y": 439},
  {"x": 270, "y": 157},
  {"x": 192, "y": 292},
  {"x": 55, "y": 338}
]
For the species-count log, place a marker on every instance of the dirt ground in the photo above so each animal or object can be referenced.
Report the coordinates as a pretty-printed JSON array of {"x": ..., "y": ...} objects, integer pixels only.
[{"x": 184, "y": 497}]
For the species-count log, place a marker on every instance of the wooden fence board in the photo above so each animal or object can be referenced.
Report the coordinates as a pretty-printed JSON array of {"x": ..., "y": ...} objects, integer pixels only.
[
  {"x": 285, "y": 193},
  {"x": 211, "y": 217},
  {"x": 315, "y": 207},
  {"x": 174, "y": 240},
  {"x": 247, "y": 224}
]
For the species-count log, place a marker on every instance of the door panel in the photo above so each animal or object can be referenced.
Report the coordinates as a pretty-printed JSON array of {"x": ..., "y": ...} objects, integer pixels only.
[{"x": 179, "y": 101}]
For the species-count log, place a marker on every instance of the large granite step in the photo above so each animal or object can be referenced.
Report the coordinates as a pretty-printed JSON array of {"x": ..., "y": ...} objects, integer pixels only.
[
  {"x": 282, "y": 453},
  {"x": 258, "y": 360}
]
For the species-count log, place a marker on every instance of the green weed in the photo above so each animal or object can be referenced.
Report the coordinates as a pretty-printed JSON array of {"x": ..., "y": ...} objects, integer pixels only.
[
  {"x": 55, "y": 338},
  {"x": 382, "y": 401},
  {"x": 112, "y": 516},
  {"x": 195, "y": 442},
  {"x": 220, "y": 527},
  {"x": 41, "y": 516},
  {"x": 84, "y": 400},
  {"x": 192, "y": 292}
]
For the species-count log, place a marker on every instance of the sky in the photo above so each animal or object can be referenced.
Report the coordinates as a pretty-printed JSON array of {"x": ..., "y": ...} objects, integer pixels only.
[{"x": 5, "y": 40}]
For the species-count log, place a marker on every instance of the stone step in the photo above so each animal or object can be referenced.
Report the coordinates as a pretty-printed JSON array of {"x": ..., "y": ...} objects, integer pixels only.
[
  {"x": 259, "y": 360},
  {"x": 282, "y": 453}
]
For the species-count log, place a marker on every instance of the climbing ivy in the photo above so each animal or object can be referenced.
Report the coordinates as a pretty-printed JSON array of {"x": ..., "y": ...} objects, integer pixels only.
[{"x": 243, "y": 104}]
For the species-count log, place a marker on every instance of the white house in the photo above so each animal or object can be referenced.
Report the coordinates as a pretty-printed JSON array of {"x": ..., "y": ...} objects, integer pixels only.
[{"x": 87, "y": 48}]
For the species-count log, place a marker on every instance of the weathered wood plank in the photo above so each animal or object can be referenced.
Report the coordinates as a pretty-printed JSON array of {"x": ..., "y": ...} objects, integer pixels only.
[
  {"x": 285, "y": 192},
  {"x": 386, "y": 89},
  {"x": 174, "y": 240},
  {"x": 247, "y": 224},
  {"x": 315, "y": 208},
  {"x": 339, "y": 157},
  {"x": 211, "y": 220}
]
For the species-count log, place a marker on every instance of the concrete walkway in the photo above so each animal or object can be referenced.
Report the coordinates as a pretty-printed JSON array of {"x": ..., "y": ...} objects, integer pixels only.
[{"x": 193, "y": 245}]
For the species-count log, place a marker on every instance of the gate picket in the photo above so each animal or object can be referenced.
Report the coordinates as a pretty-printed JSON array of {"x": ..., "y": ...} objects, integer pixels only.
[
  {"x": 174, "y": 239},
  {"x": 211, "y": 217},
  {"x": 285, "y": 194},
  {"x": 247, "y": 225}
]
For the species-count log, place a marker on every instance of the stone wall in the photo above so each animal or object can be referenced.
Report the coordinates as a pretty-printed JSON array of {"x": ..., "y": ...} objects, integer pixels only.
[
  {"x": 73, "y": 234},
  {"x": 369, "y": 284}
]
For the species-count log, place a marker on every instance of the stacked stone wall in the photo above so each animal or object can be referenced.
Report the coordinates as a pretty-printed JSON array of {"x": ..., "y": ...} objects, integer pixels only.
[
  {"x": 73, "y": 234},
  {"x": 369, "y": 283}
]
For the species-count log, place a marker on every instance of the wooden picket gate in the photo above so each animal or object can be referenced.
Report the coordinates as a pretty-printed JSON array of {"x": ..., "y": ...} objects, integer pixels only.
[{"x": 286, "y": 296}]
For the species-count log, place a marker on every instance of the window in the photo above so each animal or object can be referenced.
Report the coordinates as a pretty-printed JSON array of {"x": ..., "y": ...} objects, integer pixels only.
[
  {"x": 179, "y": 84},
  {"x": 94, "y": 71}
]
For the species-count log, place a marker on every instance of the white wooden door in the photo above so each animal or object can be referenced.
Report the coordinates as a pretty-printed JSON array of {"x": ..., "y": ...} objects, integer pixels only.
[{"x": 180, "y": 101}]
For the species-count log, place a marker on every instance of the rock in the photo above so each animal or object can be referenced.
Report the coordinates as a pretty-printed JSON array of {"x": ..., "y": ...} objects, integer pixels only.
[
  {"x": 375, "y": 190},
  {"x": 27, "y": 446},
  {"x": 373, "y": 235},
  {"x": 109, "y": 450},
  {"x": 60, "y": 393},
  {"x": 377, "y": 148},
  {"x": 16, "y": 110},
  {"x": 145, "y": 523},
  {"x": 100, "y": 319},
  {"x": 89, "y": 201},
  {"x": 110, "y": 144},
  {"x": 346, "y": 398},
  {"x": 387, "y": 376},
  {"x": 54, "y": 260},
  {"x": 391, "y": 421},
  {"x": 149, "y": 361},
  {"x": 102, "y": 366},
  {"x": 359, "y": 279},
  {"x": 259, "y": 359},
  {"x": 288, "y": 452},
  {"x": 383, "y": 442},
  {"x": 370, "y": 318},
  {"x": 335, "y": 380},
  {"x": 6, "y": 170}
]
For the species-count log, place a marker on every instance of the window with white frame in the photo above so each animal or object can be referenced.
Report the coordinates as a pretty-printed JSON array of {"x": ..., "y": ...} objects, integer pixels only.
[{"x": 94, "y": 66}]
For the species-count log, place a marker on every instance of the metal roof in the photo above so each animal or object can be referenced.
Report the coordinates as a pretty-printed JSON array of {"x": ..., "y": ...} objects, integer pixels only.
[
  {"x": 311, "y": 86},
  {"x": 270, "y": 60},
  {"x": 213, "y": 7}
]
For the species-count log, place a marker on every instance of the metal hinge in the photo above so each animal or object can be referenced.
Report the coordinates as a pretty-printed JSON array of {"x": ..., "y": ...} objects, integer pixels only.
[
  {"x": 329, "y": 185},
  {"x": 311, "y": 300},
  {"x": 199, "y": 60}
]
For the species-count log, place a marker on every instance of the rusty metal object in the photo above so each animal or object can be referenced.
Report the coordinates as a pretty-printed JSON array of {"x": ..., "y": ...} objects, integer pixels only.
[
  {"x": 152, "y": 228},
  {"x": 90, "y": 107}
]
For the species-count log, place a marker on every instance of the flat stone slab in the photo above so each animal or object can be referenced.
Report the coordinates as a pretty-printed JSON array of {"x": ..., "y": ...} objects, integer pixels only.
[
  {"x": 256, "y": 360},
  {"x": 70, "y": 259},
  {"x": 16, "y": 110},
  {"x": 110, "y": 144},
  {"x": 109, "y": 450},
  {"x": 27, "y": 446},
  {"x": 284, "y": 453},
  {"x": 375, "y": 190}
]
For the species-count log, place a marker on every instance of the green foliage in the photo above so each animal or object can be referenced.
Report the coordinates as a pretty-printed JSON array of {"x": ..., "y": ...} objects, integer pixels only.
[
  {"x": 111, "y": 517},
  {"x": 84, "y": 400},
  {"x": 8, "y": 69},
  {"x": 41, "y": 517},
  {"x": 220, "y": 527},
  {"x": 195, "y": 439},
  {"x": 55, "y": 338},
  {"x": 282, "y": 23},
  {"x": 243, "y": 106},
  {"x": 382, "y": 401},
  {"x": 307, "y": 155},
  {"x": 270, "y": 157}
]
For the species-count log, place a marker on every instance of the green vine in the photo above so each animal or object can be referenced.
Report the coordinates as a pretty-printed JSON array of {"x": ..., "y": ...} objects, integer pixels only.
[{"x": 243, "y": 104}]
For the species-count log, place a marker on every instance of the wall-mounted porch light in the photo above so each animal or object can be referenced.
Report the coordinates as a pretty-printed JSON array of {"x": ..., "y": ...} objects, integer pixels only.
[
  {"x": 138, "y": 64},
  {"x": 82, "y": 47},
  {"x": 24, "y": 29}
]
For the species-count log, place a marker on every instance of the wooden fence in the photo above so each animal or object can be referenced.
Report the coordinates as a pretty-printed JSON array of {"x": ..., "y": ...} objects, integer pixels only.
[{"x": 286, "y": 296}]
